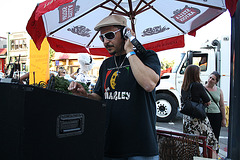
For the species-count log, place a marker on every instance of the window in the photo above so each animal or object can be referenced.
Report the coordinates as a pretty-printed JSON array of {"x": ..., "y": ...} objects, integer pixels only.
[
  {"x": 201, "y": 61},
  {"x": 195, "y": 59},
  {"x": 18, "y": 44}
]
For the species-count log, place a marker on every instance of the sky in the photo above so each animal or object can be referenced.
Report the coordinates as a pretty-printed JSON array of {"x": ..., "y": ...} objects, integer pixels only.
[{"x": 14, "y": 15}]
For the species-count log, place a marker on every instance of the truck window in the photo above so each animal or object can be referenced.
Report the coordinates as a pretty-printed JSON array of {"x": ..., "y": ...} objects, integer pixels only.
[
  {"x": 202, "y": 62},
  {"x": 197, "y": 59}
]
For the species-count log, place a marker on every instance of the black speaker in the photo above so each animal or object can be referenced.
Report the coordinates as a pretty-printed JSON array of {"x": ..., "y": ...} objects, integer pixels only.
[{"x": 41, "y": 124}]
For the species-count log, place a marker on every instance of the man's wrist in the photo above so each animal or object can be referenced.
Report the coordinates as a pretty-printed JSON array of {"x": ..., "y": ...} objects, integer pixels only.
[{"x": 130, "y": 53}]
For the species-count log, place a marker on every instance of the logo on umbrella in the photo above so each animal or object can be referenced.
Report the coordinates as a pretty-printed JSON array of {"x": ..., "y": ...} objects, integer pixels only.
[
  {"x": 154, "y": 30},
  {"x": 67, "y": 11},
  {"x": 80, "y": 30},
  {"x": 185, "y": 14}
]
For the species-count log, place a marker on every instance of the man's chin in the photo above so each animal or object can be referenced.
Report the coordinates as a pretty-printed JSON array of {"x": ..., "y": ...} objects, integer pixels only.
[{"x": 112, "y": 53}]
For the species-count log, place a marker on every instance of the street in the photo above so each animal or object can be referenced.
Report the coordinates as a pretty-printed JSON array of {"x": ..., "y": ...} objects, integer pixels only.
[{"x": 176, "y": 126}]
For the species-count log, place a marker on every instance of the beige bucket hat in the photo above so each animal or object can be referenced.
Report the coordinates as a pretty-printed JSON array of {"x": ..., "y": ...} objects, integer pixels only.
[{"x": 111, "y": 20}]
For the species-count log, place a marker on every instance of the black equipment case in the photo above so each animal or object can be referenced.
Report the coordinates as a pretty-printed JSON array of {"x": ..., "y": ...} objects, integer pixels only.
[{"x": 41, "y": 124}]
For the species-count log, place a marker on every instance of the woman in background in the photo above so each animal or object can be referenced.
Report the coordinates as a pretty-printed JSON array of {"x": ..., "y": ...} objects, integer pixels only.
[
  {"x": 193, "y": 125},
  {"x": 216, "y": 110}
]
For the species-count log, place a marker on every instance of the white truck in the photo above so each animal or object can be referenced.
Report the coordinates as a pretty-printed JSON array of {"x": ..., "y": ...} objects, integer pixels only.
[{"x": 168, "y": 93}]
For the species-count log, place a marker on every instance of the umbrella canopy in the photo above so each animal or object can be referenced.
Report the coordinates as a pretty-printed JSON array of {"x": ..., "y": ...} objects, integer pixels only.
[{"x": 158, "y": 24}]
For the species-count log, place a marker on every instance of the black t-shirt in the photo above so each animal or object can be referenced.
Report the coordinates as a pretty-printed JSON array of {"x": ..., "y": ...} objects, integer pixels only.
[
  {"x": 131, "y": 111},
  {"x": 197, "y": 92}
]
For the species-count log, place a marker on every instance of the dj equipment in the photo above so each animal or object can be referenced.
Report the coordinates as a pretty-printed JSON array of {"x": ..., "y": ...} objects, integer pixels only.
[{"x": 42, "y": 124}]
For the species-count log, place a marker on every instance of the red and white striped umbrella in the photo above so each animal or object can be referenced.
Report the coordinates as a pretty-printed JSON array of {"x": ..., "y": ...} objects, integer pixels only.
[{"x": 158, "y": 24}]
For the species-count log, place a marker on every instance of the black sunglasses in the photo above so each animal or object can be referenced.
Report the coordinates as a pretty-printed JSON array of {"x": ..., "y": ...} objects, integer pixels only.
[{"x": 109, "y": 35}]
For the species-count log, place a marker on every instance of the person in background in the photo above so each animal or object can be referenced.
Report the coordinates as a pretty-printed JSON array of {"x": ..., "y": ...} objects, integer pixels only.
[
  {"x": 61, "y": 72},
  {"x": 193, "y": 125},
  {"x": 25, "y": 78},
  {"x": 126, "y": 84},
  {"x": 75, "y": 74},
  {"x": 216, "y": 110}
]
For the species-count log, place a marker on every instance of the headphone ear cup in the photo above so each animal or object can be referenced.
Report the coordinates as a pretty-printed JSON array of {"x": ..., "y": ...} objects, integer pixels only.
[{"x": 124, "y": 33}]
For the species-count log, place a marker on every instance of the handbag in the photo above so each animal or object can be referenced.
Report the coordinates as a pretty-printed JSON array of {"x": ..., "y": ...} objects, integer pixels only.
[{"x": 193, "y": 109}]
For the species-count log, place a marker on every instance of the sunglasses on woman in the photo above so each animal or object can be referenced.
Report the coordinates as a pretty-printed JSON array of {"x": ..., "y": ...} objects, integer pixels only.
[{"x": 109, "y": 35}]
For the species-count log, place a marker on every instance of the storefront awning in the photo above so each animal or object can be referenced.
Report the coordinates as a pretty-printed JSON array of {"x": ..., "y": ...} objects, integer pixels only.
[{"x": 3, "y": 51}]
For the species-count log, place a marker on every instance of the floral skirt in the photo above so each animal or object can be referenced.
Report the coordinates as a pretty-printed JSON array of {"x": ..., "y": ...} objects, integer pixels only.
[{"x": 200, "y": 127}]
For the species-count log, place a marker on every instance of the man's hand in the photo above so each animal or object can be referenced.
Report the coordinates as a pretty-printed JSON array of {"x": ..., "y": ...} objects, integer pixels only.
[{"x": 77, "y": 89}]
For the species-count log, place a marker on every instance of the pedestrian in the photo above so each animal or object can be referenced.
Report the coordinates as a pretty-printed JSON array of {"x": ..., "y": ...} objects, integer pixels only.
[
  {"x": 216, "y": 110},
  {"x": 126, "y": 83},
  {"x": 194, "y": 125},
  {"x": 61, "y": 72}
]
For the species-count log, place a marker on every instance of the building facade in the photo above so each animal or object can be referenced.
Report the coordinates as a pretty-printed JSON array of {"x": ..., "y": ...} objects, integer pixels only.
[{"x": 18, "y": 50}]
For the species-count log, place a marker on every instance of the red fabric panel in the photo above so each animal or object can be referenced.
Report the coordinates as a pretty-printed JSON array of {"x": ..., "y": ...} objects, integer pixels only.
[
  {"x": 36, "y": 30},
  {"x": 169, "y": 43},
  {"x": 49, "y": 5},
  {"x": 65, "y": 47},
  {"x": 231, "y": 6},
  {"x": 99, "y": 52}
]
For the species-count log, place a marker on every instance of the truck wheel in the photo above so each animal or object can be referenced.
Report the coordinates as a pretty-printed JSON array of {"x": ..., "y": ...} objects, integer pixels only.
[{"x": 166, "y": 107}]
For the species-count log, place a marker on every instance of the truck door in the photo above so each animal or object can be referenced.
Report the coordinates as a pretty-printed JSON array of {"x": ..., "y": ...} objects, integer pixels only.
[{"x": 180, "y": 74}]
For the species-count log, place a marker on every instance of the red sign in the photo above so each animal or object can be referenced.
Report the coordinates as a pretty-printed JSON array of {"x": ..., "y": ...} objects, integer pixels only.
[
  {"x": 185, "y": 14},
  {"x": 66, "y": 11},
  {"x": 169, "y": 43}
]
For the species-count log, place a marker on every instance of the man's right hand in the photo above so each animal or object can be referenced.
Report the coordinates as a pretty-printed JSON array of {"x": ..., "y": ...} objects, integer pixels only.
[{"x": 77, "y": 89}]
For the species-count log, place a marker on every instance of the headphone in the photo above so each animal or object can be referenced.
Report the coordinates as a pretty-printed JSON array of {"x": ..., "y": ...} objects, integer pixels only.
[
  {"x": 127, "y": 34},
  {"x": 125, "y": 30}
]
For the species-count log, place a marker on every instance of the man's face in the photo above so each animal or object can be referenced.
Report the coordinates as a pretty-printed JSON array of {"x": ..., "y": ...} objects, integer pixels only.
[{"x": 115, "y": 45}]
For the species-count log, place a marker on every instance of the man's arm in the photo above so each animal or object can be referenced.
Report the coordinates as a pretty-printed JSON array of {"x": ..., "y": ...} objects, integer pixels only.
[
  {"x": 145, "y": 76},
  {"x": 23, "y": 77},
  {"x": 79, "y": 90},
  {"x": 222, "y": 109}
]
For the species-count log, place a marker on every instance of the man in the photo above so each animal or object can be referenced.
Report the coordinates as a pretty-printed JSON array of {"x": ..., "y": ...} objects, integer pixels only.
[{"x": 126, "y": 83}]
